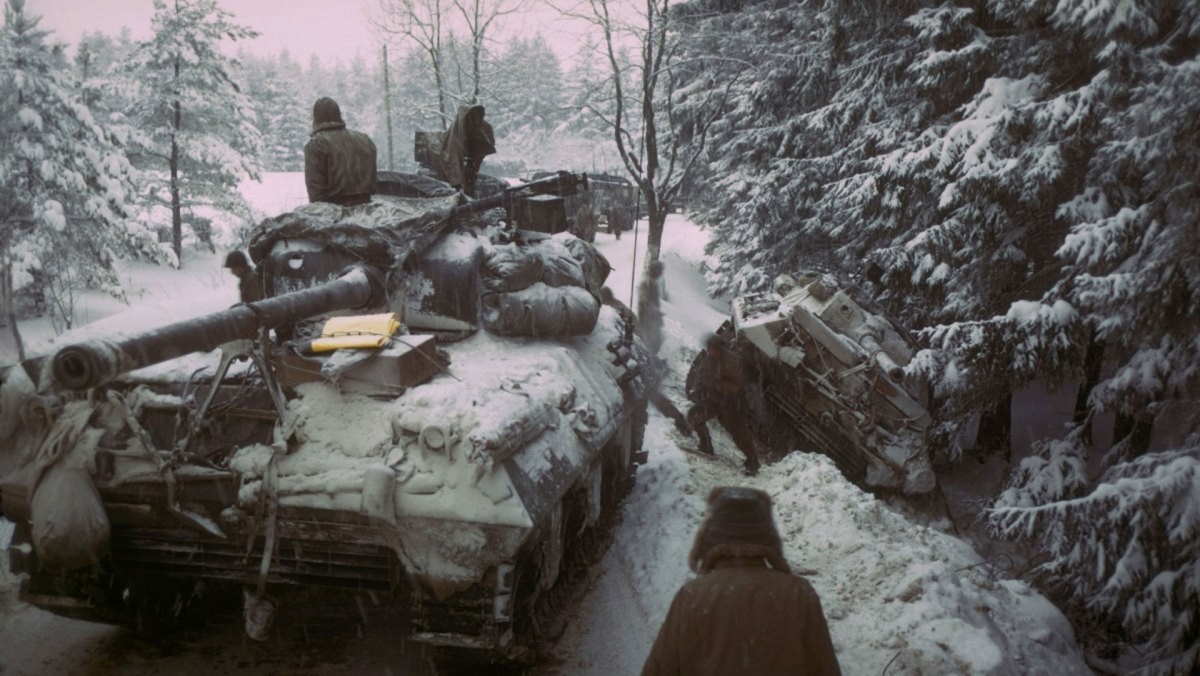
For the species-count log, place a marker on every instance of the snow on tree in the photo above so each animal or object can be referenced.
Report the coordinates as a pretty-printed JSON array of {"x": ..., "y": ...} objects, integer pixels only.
[
  {"x": 796, "y": 181},
  {"x": 643, "y": 103},
  {"x": 64, "y": 180},
  {"x": 452, "y": 38},
  {"x": 525, "y": 101},
  {"x": 198, "y": 136},
  {"x": 275, "y": 86},
  {"x": 1022, "y": 176},
  {"x": 1127, "y": 545}
]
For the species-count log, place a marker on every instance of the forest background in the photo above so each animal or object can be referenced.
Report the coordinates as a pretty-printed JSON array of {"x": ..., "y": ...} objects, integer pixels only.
[{"x": 1018, "y": 181}]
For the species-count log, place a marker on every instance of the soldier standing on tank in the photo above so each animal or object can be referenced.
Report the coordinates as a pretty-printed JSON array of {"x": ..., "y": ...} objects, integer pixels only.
[
  {"x": 339, "y": 163},
  {"x": 469, "y": 140},
  {"x": 585, "y": 222},
  {"x": 716, "y": 386},
  {"x": 249, "y": 283},
  {"x": 745, "y": 612}
]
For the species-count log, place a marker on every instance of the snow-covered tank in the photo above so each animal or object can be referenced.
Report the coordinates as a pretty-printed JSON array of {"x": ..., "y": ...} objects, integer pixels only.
[
  {"x": 459, "y": 459},
  {"x": 832, "y": 381}
]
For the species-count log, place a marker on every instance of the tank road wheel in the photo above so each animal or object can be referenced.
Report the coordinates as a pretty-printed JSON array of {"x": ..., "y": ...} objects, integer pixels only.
[
  {"x": 619, "y": 461},
  {"x": 622, "y": 454},
  {"x": 550, "y": 574}
]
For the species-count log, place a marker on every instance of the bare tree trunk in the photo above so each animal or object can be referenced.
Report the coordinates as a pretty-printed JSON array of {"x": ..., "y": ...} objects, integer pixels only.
[
  {"x": 176, "y": 210},
  {"x": 1092, "y": 361},
  {"x": 387, "y": 110},
  {"x": 7, "y": 298},
  {"x": 651, "y": 60}
]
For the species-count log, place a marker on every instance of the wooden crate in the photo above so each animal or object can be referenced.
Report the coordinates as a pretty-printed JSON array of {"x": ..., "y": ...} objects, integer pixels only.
[{"x": 408, "y": 361}]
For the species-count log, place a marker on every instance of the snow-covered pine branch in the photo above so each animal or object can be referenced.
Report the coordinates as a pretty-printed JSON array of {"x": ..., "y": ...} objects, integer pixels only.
[{"x": 1127, "y": 544}]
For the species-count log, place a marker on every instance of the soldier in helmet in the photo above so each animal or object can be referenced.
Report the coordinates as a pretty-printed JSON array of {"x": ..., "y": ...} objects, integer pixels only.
[
  {"x": 745, "y": 612},
  {"x": 249, "y": 284},
  {"x": 716, "y": 386},
  {"x": 339, "y": 163}
]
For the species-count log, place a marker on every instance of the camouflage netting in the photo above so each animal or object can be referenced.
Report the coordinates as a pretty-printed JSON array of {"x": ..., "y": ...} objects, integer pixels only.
[
  {"x": 385, "y": 232},
  {"x": 547, "y": 288}
]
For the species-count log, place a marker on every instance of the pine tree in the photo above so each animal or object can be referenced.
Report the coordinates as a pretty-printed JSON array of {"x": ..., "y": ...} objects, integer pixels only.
[
  {"x": 1023, "y": 175},
  {"x": 1127, "y": 543},
  {"x": 524, "y": 99},
  {"x": 273, "y": 85},
  {"x": 198, "y": 137},
  {"x": 64, "y": 181}
]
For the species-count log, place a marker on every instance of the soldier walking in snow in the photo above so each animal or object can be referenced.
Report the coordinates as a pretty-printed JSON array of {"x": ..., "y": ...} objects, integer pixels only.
[
  {"x": 339, "y": 163},
  {"x": 584, "y": 226},
  {"x": 716, "y": 385},
  {"x": 745, "y": 612}
]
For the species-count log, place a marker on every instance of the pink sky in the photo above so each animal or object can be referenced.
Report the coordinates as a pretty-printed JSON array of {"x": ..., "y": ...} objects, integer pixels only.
[{"x": 331, "y": 29}]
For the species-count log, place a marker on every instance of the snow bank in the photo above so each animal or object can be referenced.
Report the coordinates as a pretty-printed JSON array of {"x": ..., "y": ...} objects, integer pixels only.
[
  {"x": 900, "y": 597},
  {"x": 900, "y": 592}
]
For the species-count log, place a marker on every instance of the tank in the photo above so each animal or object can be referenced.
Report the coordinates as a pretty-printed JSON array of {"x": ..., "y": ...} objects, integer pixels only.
[
  {"x": 832, "y": 380},
  {"x": 457, "y": 467}
]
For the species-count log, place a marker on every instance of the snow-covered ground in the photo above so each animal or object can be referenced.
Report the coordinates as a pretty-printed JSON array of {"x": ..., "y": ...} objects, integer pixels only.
[{"x": 902, "y": 593}]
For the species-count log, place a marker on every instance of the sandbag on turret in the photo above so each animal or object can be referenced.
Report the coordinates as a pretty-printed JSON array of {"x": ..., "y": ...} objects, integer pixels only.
[
  {"x": 594, "y": 266},
  {"x": 510, "y": 267},
  {"x": 541, "y": 311}
]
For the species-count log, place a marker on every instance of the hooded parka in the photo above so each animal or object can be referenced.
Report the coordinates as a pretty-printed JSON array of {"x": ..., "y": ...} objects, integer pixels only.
[
  {"x": 743, "y": 618},
  {"x": 746, "y": 614}
]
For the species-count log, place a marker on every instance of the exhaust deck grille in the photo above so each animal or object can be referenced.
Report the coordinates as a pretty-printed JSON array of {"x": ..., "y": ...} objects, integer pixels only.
[{"x": 184, "y": 553}]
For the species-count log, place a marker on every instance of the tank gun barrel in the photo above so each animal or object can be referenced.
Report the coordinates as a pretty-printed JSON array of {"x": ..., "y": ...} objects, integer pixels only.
[
  {"x": 560, "y": 184},
  {"x": 94, "y": 363}
]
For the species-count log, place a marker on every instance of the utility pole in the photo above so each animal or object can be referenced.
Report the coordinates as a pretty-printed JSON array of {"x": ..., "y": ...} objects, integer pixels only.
[{"x": 387, "y": 110}]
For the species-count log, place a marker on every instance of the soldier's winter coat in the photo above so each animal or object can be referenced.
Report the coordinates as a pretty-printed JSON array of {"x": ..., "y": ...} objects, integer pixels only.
[
  {"x": 339, "y": 165},
  {"x": 746, "y": 613},
  {"x": 744, "y": 618}
]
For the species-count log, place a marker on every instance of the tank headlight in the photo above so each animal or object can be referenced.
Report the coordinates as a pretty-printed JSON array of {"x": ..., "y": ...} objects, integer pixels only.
[{"x": 434, "y": 437}]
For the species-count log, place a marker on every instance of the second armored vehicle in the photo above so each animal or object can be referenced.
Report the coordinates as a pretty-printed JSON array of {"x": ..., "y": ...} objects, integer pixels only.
[{"x": 832, "y": 380}]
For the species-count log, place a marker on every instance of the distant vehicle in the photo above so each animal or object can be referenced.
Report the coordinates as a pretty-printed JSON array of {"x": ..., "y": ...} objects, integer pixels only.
[
  {"x": 614, "y": 197},
  {"x": 457, "y": 445}
]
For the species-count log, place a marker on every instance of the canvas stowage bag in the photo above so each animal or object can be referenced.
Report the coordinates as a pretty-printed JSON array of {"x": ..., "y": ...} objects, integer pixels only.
[{"x": 69, "y": 524}]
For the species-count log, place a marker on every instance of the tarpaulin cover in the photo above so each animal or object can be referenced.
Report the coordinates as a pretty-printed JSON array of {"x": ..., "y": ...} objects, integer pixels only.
[
  {"x": 385, "y": 232},
  {"x": 541, "y": 311},
  {"x": 510, "y": 267},
  {"x": 68, "y": 522}
]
